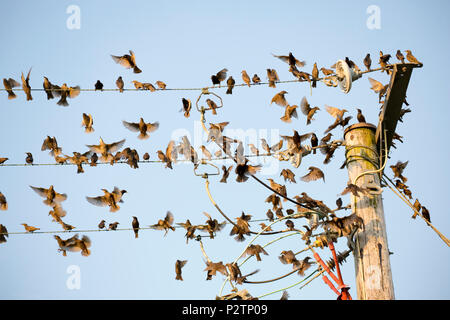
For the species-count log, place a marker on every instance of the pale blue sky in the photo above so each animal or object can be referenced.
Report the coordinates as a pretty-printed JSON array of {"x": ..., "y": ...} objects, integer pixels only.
[{"x": 182, "y": 43}]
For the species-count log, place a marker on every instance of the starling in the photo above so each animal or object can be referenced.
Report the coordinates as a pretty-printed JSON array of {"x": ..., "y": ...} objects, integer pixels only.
[
  {"x": 360, "y": 117},
  {"x": 289, "y": 112},
  {"x": 256, "y": 79},
  {"x": 3, "y": 160},
  {"x": 253, "y": 149},
  {"x": 291, "y": 60},
  {"x": 165, "y": 224},
  {"x": 9, "y": 84},
  {"x": 101, "y": 225},
  {"x": 307, "y": 110},
  {"x": 161, "y": 85},
  {"x": 241, "y": 227},
  {"x": 411, "y": 58},
  {"x": 426, "y": 214},
  {"x": 98, "y": 86},
  {"x": 336, "y": 113},
  {"x": 367, "y": 61},
  {"x": 339, "y": 203},
  {"x": 245, "y": 77},
  {"x": 106, "y": 149},
  {"x": 255, "y": 250},
  {"x": 148, "y": 86},
  {"x": 113, "y": 226},
  {"x": 326, "y": 72},
  {"x": 29, "y": 228},
  {"x": 263, "y": 226},
  {"x": 285, "y": 295},
  {"x": 26, "y": 86},
  {"x": 29, "y": 158},
  {"x": 87, "y": 122},
  {"x": 314, "y": 142},
  {"x": 3, "y": 203},
  {"x": 272, "y": 76},
  {"x": 78, "y": 159},
  {"x": 127, "y": 61},
  {"x": 290, "y": 225},
  {"x": 269, "y": 214},
  {"x": 219, "y": 77},
  {"x": 400, "y": 56},
  {"x": 417, "y": 208},
  {"x": 230, "y": 85},
  {"x": 138, "y": 85},
  {"x": 187, "y": 105},
  {"x": 110, "y": 199},
  {"x": 119, "y": 83},
  {"x": 315, "y": 75},
  {"x": 213, "y": 267},
  {"x": 226, "y": 173},
  {"x": 378, "y": 87},
  {"x": 354, "y": 189},
  {"x": 51, "y": 196},
  {"x": 3, "y": 233},
  {"x": 313, "y": 174},
  {"x": 383, "y": 61},
  {"x": 48, "y": 88},
  {"x": 135, "y": 225},
  {"x": 52, "y": 145},
  {"x": 398, "y": 170},
  {"x": 288, "y": 175},
  {"x": 179, "y": 264},
  {"x": 280, "y": 189},
  {"x": 343, "y": 226},
  {"x": 142, "y": 127},
  {"x": 279, "y": 99},
  {"x": 66, "y": 92},
  {"x": 243, "y": 170}
]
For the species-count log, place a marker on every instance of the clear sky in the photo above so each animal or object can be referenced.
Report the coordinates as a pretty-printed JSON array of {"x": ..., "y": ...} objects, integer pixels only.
[{"x": 183, "y": 43}]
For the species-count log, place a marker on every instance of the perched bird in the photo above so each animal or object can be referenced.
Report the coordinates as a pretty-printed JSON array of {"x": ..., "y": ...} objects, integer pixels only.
[
  {"x": 9, "y": 84},
  {"x": 426, "y": 214},
  {"x": 113, "y": 226},
  {"x": 179, "y": 264},
  {"x": 285, "y": 295},
  {"x": 256, "y": 79},
  {"x": 245, "y": 77},
  {"x": 101, "y": 225},
  {"x": 212, "y": 106},
  {"x": 127, "y": 61},
  {"x": 241, "y": 227},
  {"x": 135, "y": 225},
  {"x": 78, "y": 159},
  {"x": 239, "y": 153},
  {"x": 110, "y": 199},
  {"x": 3, "y": 202},
  {"x": 398, "y": 170},
  {"x": 138, "y": 85},
  {"x": 315, "y": 75},
  {"x": 219, "y": 77},
  {"x": 66, "y": 226},
  {"x": 288, "y": 175},
  {"x": 400, "y": 56},
  {"x": 87, "y": 122},
  {"x": 120, "y": 84},
  {"x": 206, "y": 152},
  {"x": 161, "y": 85},
  {"x": 255, "y": 250},
  {"x": 3, "y": 160},
  {"x": 65, "y": 92},
  {"x": 106, "y": 149},
  {"x": 26, "y": 85},
  {"x": 411, "y": 58},
  {"x": 230, "y": 84},
  {"x": 226, "y": 173},
  {"x": 368, "y": 62},
  {"x": 314, "y": 142},
  {"x": 142, "y": 127},
  {"x": 360, "y": 117},
  {"x": 253, "y": 149},
  {"x": 280, "y": 189},
  {"x": 289, "y": 112},
  {"x": 212, "y": 225},
  {"x": 148, "y": 86},
  {"x": 263, "y": 225},
  {"x": 3, "y": 233},
  {"x": 378, "y": 87},
  {"x": 343, "y": 226},
  {"x": 326, "y": 72},
  {"x": 98, "y": 86},
  {"x": 52, "y": 197},
  {"x": 383, "y": 61},
  {"x": 272, "y": 76},
  {"x": 165, "y": 224},
  {"x": 29, "y": 158},
  {"x": 290, "y": 225},
  {"x": 29, "y": 228},
  {"x": 307, "y": 110},
  {"x": 48, "y": 88},
  {"x": 169, "y": 156},
  {"x": 313, "y": 174},
  {"x": 187, "y": 105},
  {"x": 52, "y": 145},
  {"x": 74, "y": 244},
  {"x": 269, "y": 213}
]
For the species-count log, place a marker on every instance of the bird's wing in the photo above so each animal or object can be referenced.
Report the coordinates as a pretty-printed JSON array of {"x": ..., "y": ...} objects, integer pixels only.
[
  {"x": 169, "y": 218},
  {"x": 40, "y": 191},
  {"x": 304, "y": 106},
  {"x": 131, "y": 126},
  {"x": 376, "y": 85},
  {"x": 332, "y": 111},
  {"x": 97, "y": 201},
  {"x": 152, "y": 126},
  {"x": 94, "y": 148},
  {"x": 113, "y": 147},
  {"x": 122, "y": 61},
  {"x": 74, "y": 91},
  {"x": 59, "y": 197}
]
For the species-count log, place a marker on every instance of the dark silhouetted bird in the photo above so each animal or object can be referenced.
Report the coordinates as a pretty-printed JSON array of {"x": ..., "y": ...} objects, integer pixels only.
[
  {"x": 29, "y": 158},
  {"x": 135, "y": 225},
  {"x": 368, "y": 62},
  {"x": 400, "y": 56},
  {"x": 98, "y": 86},
  {"x": 360, "y": 116},
  {"x": 230, "y": 84},
  {"x": 219, "y": 77},
  {"x": 179, "y": 264}
]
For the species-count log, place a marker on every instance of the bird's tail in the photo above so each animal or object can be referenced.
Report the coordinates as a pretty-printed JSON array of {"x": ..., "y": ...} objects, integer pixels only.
[
  {"x": 62, "y": 102},
  {"x": 286, "y": 119},
  {"x": 179, "y": 277},
  {"x": 114, "y": 208},
  {"x": 29, "y": 97},
  {"x": 80, "y": 168},
  {"x": 4, "y": 206},
  {"x": 11, "y": 95},
  {"x": 143, "y": 136},
  {"x": 49, "y": 95},
  {"x": 89, "y": 130},
  {"x": 86, "y": 252},
  {"x": 136, "y": 234},
  {"x": 229, "y": 91},
  {"x": 136, "y": 70},
  {"x": 314, "y": 83},
  {"x": 272, "y": 84}
]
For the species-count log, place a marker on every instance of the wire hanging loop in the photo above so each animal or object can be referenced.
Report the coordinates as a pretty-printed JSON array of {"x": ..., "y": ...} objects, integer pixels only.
[
  {"x": 205, "y": 175},
  {"x": 202, "y": 109}
]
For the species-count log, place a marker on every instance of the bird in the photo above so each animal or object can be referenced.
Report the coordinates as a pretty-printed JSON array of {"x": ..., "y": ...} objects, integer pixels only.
[
  {"x": 142, "y": 127},
  {"x": 29, "y": 158},
  {"x": 98, "y": 86},
  {"x": 314, "y": 142},
  {"x": 219, "y": 77},
  {"x": 29, "y": 228},
  {"x": 226, "y": 172},
  {"x": 105, "y": 149},
  {"x": 326, "y": 72},
  {"x": 26, "y": 85},
  {"x": 272, "y": 76},
  {"x": 354, "y": 189},
  {"x": 383, "y": 61},
  {"x": 241, "y": 227},
  {"x": 179, "y": 264},
  {"x": 52, "y": 145},
  {"x": 411, "y": 58},
  {"x": 426, "y": 214},
  {"x": 291, "y": 60},
  {"x": 213, "y": 267},
  {"x": 78, "y": 159},
  {"x": 212, "y": 106},
  {"x": 336, "y": 113},
  {"x": 230, "y": 85},
  {"x": 119, "y": 83},
  {"x": 378, "y": 87},
  {"x": 169, "y": 156},
  {"x": 290, "y": 225},
  {"x": 400, "y": 56},
  {"x": 161, "y": 85},
  {"x": 138, "y": 85},
  {"x": 3, "y": 233},
  {"x": 255, "y": 250},
  {"x": 243, "y": 170},
  {"x": 289, "y": 112},
  {"x": 187, "y": 105},
  {"x": 66, "y": 92},
  {"x": 360, "y": 117},
  {"x": 165, "y": 224},
  {"x": 3, "y": 160},
  {"x": 48, "y": 88},
  {"x": 3, "y": 202},
  {"x": 368, "y": 62},
  {"x": 206, "y": 152},
  {"x": 101, "y": 225},
  {"x": 245, "y": 77},
  {"x": 135, "y": 225},
  {"x": 398, "y": 170},
  {"x": 113, "y": 226},
  {"x": 110, "y": 199},
  {"x": 148, "y": 86},
  {"x": 343, "y": 226},
  {"x": 128, "y": 61},
  {"x": 307, "y": 110},
  {"x": 279, "y": 99},
  {"x": 280, "y": 189},
  {"x": 315, "y": 75},
  {"x": 288, "y": 175},
  {"x": 9, "y": 84},
  {"x": 87, "y": 122},
  {"x": 253, "y": 149},
  {"x": 51, "y": 196},
  {"x": 313, "y": 174},
  {"x": 256, "y": 79}
]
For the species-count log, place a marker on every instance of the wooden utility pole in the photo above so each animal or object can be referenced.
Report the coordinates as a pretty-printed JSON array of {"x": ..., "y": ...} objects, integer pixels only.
[{"x": 371, "y": 254}]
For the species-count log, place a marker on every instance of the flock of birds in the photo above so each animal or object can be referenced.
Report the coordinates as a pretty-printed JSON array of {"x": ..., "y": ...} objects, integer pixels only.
[{"x": 295, "y": 150}]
